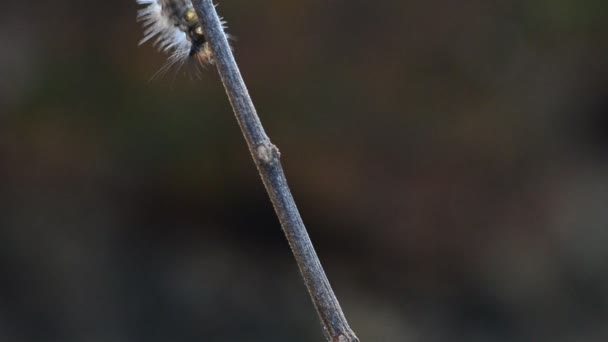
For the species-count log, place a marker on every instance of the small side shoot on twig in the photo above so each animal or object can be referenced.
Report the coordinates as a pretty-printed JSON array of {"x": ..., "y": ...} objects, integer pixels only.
[{"x": 266, "y": 157}]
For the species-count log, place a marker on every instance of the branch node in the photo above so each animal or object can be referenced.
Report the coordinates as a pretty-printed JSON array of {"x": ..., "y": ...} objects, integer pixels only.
[
  {"x": 268, "y": 153},
  {"x": 344, "y": 338}
]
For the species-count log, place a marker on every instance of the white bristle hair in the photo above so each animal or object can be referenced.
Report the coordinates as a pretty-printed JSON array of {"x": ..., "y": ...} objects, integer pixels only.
[{"x": 156, "y": 24}]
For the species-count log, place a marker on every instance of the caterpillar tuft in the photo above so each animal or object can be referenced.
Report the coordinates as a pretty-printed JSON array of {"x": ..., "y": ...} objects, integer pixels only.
[{"x": 174, "y": 27}]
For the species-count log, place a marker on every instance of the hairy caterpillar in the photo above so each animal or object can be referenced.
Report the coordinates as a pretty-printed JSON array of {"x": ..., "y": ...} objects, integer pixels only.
[{"x": 177, "y": 31}]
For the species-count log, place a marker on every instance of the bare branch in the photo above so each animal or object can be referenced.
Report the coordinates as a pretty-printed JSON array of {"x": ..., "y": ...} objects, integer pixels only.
[{"x": 266, "y": 157}]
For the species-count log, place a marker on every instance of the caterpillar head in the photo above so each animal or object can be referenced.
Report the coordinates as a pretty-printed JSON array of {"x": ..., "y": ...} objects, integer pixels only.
[
  {"x": 194, "y": 33},
  {"x": 177, "y": 30}
]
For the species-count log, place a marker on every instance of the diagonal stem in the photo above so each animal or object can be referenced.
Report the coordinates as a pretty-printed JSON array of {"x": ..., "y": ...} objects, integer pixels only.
[{"x": 266, "y": 157}]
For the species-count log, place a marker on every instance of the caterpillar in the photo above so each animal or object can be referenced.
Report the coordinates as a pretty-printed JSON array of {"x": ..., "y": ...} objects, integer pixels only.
[{"x": 175, "y": 28}]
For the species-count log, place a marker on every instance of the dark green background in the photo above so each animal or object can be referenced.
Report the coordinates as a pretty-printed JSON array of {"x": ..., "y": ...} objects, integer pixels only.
[{"x": 450, "y": 159}]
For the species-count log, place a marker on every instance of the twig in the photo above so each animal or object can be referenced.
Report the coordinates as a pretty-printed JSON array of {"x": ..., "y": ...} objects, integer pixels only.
[{"x": 266, "y": 157}]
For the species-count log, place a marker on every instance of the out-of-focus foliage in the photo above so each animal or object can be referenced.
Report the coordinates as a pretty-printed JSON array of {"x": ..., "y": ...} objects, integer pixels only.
[{"x": 449, "y": 157}]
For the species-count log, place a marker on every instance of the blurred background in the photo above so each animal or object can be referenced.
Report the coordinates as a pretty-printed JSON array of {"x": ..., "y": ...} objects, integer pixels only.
[{"x": 450, "y": 160}]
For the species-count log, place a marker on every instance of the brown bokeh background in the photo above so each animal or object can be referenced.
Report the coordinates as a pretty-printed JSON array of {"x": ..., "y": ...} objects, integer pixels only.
[{"x": 450, "y": 159}]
